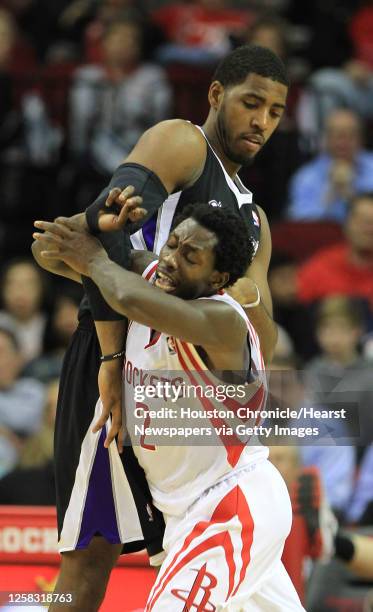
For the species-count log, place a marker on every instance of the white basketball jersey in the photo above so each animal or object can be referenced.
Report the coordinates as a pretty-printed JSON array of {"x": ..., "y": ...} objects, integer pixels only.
[{"x": 188, "y": 442}]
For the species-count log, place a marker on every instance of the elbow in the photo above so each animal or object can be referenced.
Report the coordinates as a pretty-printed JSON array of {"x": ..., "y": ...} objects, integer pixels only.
[{"x": 126, "y": 303}]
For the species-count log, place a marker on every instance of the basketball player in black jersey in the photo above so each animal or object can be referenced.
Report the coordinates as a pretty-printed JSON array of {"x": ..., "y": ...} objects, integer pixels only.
[{"x": 247, "y": 98}]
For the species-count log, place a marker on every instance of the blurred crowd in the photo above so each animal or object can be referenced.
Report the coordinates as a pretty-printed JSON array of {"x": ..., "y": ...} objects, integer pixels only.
[{"x": 80, "y": 81}]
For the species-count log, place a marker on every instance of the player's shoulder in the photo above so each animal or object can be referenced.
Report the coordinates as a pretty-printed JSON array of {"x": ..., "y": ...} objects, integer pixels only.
[
  {"x": 225, "y": 314},
  {"x": 143, "y": 261},
  {"x": 179, "y": 132},
  {"x": 175, "y": 150}
]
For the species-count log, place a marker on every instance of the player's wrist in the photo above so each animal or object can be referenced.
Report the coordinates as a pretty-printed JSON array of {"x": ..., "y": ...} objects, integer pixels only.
[
  {"x": 97, "y": 262},
  {"x": 113, "y": 358}
]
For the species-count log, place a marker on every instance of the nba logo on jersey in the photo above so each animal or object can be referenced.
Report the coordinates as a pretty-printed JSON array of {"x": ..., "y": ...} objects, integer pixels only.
[
  {"x": 171, "y": 345},
  {"x": 215, "y": 203},
  {"x": 256, "y": 218}
]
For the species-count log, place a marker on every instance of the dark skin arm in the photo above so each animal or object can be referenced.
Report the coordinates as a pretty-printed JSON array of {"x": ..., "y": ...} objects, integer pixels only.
[
  {"x": 175, "y": 151},
  {"x": 111, "y": 336},
  {"x": 244, "y": 292},
  {"x": 179, "y": 164},
  {"x": 215, "y": 326}
]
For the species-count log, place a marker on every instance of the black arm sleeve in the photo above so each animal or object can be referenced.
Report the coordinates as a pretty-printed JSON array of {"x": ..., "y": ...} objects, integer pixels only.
[
  {"x": 118, "y": 247},
  {"x": 117, "y": 244},
  {"x": 146, "y": 184}
]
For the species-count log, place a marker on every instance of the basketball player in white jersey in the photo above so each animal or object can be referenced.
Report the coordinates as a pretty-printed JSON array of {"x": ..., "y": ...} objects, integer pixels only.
[
  {"x": 227, "y": 508},
  {"x": 173, "y": 163}
]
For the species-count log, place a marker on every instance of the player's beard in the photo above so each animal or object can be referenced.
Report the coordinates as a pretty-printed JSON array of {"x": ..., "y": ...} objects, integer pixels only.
[{"x": 225, "y": 141}]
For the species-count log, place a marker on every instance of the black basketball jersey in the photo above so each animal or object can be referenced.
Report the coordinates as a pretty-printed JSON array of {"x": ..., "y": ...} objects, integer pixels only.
[{"x": 214, "y": 186}]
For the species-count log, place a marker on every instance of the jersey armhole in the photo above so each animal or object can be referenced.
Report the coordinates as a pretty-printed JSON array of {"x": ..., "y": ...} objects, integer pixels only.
[{"x": 150, "y": 270}]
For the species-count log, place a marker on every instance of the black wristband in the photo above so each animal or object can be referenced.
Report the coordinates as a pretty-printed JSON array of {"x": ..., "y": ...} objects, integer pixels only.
[
  {"x": 146, "y": 184},
  {"x": 344, "y": 547},
  {"x": 113, "y": 356}
]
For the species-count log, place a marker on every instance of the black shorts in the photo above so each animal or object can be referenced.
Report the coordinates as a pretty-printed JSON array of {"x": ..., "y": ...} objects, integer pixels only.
[{"x": 98, "y": 491}]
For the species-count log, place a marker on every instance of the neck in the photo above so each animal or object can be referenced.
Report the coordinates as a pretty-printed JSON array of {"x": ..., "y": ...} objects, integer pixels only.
[{"x": 210, "y": 127}]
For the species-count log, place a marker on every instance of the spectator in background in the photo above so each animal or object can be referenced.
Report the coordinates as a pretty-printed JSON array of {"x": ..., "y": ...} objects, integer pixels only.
[
  {"x": 24, "y": 123},
  {"x": 336, "y": 463},
  {"x": 29, "y": 143},
  {"x": 22, "y": 295},
  {"x": 288, "y": 312},
  {"x": 361, "y": 32},
  {"x": 361, "y": 504},
  {"x": 16, "y": 54},
  {"x": 347, "y": 85},
  {"x": 21, "y": 402},
  {"x": 32, "y": 481},
  {"x": 112, "y": 105},
  {"x": 38, "y": 448},
  {"x": 199, "y": 32},
  {"x": 340, "y": 376},
  {"x": 109, "y": 11},
  {"x": 345, "y": 268},
  {"x": 269, "y": 31},
  {"x": 322, "y": 188},
  {"x": 281, "y": 157},
  {"x": 313, "y": 525},
  {"x": 59, "y": 329},
  {"x": 37, "y": 20}
]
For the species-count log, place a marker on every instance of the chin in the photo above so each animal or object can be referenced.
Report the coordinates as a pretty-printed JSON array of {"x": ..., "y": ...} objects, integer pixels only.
[{"x": 241, "y": 159}]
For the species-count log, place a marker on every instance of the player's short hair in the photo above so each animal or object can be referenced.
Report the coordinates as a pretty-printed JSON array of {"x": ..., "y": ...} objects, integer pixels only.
[
  {"x": 234, "y": 250},
  {"x": 241, "y": 62}
]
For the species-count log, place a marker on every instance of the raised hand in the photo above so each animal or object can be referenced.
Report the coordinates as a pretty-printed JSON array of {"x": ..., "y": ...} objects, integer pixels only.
[
  {"x": 128, "y": 207},
  {"x": 67, "y": 242}
]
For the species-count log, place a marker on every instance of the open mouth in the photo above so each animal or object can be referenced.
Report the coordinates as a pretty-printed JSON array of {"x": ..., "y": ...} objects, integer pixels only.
[{"x": 164, "y": 282}]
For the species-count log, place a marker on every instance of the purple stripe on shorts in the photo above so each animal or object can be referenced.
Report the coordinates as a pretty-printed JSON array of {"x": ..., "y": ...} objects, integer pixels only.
[
  {"x": 148, "y": 231},
  {"x": 99, "y": 516}
]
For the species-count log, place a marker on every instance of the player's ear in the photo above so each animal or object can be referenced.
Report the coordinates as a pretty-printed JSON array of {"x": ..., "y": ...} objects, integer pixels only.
[
  {"x": 218, "y": 280},
  {"x": 215, "y": 95}
]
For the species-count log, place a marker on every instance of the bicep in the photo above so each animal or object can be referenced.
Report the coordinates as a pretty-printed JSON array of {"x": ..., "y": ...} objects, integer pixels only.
[
  {"x": 258, "y": 270},
  {"x": 174, "y": 150},
  {"x": 200, "y": 322}
]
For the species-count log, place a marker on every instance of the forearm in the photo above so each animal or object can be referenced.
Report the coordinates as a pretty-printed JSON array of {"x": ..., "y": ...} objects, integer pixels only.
[
  {"x": 266, "y": 329},
  {"x": 190, "y": 320},
  {"x": 146, "y": 184},
  {"x": 117, "y": 246},
  {"x": 124, "y": 291},
  {"x": 111, "y": 335}
]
